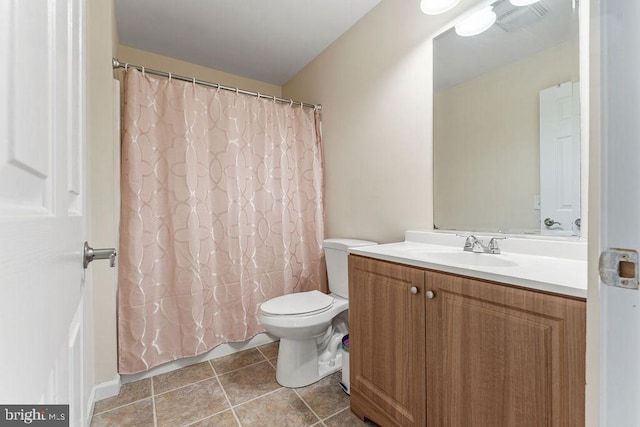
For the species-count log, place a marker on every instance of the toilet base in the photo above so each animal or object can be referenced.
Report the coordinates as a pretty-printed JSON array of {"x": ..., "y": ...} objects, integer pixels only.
[
  {"x": 305, "y": 361},
  {"x": 298, "y": 363}
]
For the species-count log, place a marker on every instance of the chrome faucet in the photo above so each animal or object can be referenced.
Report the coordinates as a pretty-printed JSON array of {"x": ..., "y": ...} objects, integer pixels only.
[{"x": 473, "y": 244}]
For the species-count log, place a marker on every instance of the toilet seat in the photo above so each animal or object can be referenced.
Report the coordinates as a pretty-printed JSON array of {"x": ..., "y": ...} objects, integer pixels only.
[{"x": 300, "y": 303}]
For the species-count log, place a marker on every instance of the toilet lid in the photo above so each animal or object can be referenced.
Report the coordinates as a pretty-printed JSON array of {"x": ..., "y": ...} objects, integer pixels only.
[{"x": 298, "y": 303}]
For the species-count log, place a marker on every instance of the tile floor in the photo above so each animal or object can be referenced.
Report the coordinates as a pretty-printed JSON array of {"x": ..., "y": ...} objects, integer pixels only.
[{"x": 235, "y": 390}]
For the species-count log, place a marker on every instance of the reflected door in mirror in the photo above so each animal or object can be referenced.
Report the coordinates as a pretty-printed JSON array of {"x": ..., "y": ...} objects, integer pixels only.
[{"x": 560, "y": 160}]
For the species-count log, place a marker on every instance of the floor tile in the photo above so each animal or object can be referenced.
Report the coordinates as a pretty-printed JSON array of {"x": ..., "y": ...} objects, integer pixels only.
[
  {"x": 237, "y": 360},
  {"x": 250, "y": 382},
  {"x": 190, "y": 403},
  {"x": 137, "y": 414},
  {"x": 223, "y": 419},
  {"x": 347, "y": 418},
  {"x": 181, "y": 377},
  {"x": 270, "y": 351},
  {"x": 194, "y": 397},
  {"x": 274, "y": 363},
  {"x": 282, "y": 408},
  {"x": 129, "y": 393},
  {"x": 326, "y": 396}
]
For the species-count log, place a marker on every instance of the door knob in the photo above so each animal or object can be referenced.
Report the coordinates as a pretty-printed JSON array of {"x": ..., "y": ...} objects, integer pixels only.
[
  {"x": 430, "y": 294},
  {"x": 550, "y": 222},
  {"x": 89, "y": 254},
  {"x": 414, "y": 290}
]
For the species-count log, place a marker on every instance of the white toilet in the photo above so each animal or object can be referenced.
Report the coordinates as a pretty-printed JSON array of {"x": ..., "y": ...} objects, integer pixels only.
[{"x": 311, "y": 325}]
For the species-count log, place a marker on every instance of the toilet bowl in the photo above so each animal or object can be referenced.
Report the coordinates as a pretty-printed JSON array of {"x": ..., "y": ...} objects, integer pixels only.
[{"x": 311, "y": 324}]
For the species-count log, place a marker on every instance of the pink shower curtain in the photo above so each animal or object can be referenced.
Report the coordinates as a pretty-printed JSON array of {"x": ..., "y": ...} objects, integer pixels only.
[{"x": 222, "y": 209}]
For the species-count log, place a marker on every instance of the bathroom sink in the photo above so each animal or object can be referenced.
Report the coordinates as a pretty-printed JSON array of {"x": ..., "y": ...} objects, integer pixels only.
[{"x": 467, "y": 259}]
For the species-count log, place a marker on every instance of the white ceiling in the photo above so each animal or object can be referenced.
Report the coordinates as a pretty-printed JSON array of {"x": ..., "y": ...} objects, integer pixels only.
[{"x": 266, "y": 40}]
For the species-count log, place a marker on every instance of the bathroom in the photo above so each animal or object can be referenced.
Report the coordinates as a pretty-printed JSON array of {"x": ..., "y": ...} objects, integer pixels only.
[
  {"x": 371, "y": 100},
  {"x": 375, "y": 87}
]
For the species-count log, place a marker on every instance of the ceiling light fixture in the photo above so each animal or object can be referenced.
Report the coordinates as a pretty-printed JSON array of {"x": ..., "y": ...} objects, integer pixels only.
[
  {"x": 435, "y": 7},
  {"x": 476, "y": 23},
  {"x": 523, "y": 2}
]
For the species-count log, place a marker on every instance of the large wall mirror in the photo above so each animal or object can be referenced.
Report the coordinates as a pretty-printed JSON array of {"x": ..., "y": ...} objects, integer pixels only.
[{"x": 506, "y": 123}]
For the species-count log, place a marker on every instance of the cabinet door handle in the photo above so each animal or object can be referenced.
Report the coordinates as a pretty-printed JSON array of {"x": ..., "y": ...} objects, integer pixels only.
[
  {"x": 430, "y": 295},
  {"x": 414, "y": 290}
]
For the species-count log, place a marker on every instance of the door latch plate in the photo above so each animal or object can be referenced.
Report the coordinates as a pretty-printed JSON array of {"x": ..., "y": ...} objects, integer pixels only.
[{"x": 619, "y": 267}]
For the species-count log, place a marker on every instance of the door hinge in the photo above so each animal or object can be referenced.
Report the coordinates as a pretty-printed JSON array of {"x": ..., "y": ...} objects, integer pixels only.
[{"x": 619, "y": 267}]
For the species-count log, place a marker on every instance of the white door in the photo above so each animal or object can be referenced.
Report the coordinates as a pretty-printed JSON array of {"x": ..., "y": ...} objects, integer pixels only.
[
  {"x": 560, "y": 160},
  {"x": 620, "y": 222},
  {"x": 42, "y": 203}
]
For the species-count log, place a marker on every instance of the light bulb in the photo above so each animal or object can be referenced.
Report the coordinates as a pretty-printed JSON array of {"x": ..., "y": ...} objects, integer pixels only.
[
  {"x": 523, "y": 2},
  {"x": 435, "y": 7},
  {"x": 476, "y": 23}
]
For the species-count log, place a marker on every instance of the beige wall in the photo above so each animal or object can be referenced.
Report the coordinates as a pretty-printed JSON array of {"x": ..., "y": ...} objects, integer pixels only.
[
  {"x": 486, "y": 133},
  {"x": 374, "y": 84},
  {"x": 101, "y": 164},
  {"x": 170, "y": 65}
]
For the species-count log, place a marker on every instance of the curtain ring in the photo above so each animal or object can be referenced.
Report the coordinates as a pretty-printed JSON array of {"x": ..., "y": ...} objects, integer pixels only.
[
  {"x": 274, "y": 99},
  {"x": 126, "y": 66},
  {"x": 143, "y": 71},
  {"x": 237, "y": 91},
  {"x": 217, "y": 87},
  {"x": 315, "y": 108},
  {"x": 259, "y": 96},
  {"x": 291, "y": 103},
  {"x": 169, "y": 76},
  {"x": 301, "y": 105},
  {"x": 194, "y": 81}
]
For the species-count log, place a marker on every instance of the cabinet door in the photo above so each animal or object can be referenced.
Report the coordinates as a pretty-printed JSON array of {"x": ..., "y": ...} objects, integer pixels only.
[
  {"x": 503, "y": 356},
  {"x": 387, "y": 333}
]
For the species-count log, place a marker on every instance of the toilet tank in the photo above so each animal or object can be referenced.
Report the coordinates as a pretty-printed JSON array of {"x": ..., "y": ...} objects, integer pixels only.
[{"x": 335, "y": 253}]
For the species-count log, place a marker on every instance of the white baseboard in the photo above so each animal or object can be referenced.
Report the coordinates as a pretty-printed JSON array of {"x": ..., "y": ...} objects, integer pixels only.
[
  {"x": 106, "y": 389},
  {"x": 219, "y": 351}
]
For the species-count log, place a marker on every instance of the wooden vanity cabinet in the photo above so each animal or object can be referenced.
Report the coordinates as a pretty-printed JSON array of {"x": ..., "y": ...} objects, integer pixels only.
[
  {"x": 503, "y": 356},
  {"x": 386, "y": 342},
  {"x": 496, "y": 355}
]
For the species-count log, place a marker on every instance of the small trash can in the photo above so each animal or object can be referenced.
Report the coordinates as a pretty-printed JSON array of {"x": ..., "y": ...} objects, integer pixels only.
[{"x": 345, "y": 364}]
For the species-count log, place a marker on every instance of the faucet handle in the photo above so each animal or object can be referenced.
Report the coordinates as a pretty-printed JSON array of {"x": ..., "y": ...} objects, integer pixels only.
[
  {"x": 493, "y": 244},
  {"x": 470, "y": 241}
]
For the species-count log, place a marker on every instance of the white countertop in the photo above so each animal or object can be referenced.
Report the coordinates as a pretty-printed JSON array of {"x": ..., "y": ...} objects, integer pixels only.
[{"x": 563, "y": 273}]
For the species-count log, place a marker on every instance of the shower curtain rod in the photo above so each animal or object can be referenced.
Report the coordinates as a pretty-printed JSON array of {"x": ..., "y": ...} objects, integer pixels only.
[{"x": 118, "y": 64}]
